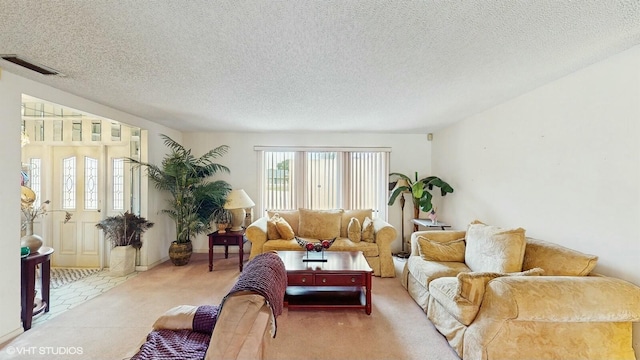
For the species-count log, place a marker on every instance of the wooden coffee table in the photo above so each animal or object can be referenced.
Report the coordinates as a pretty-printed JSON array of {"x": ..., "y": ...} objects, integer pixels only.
[{"x": 342, "y": 282}]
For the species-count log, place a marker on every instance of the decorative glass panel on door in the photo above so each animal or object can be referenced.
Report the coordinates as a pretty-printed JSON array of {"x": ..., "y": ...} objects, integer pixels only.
[
  {"x": 90, "y": 183},
  {"x": 36, "y": 180},
  {"x": 118, "y": 184},
  {"x": 69, "y": 183}
]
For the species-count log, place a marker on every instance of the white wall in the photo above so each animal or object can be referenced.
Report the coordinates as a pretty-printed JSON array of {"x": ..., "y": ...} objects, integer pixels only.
[
  {"x": 409, "y": 153},
  {"x": 12, "y": 87},
  {"x": 9, "y": 211},
  {"x": 562, "y": 161}
]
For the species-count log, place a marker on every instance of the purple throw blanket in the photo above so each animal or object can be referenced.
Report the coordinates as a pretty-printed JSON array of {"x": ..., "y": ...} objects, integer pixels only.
[
  {"x": 168, "y": 344},
  {"x": 265, "y": 275}
]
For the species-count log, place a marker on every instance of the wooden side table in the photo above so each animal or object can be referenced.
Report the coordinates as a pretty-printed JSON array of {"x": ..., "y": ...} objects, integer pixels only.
[
  {"x": 28, "y": 284},
  {"x": 233, "y": 238}
]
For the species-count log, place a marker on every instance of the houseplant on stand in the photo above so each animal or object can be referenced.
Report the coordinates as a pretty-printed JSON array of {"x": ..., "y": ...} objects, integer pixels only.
[
  {"x": 420, "y": 196},
  {"x": 124, "y": 232},
  {"x": 194, "y": 199},
  {"x": 419, "y": 190}
]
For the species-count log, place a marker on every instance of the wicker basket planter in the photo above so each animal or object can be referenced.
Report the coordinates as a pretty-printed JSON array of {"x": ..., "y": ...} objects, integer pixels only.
[{"x": 180, "y": 253}]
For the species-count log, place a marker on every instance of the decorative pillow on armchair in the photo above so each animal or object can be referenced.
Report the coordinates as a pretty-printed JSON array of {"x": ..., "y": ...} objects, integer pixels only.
[
  {"x": 494, "y": 249},
  {"x": 432, "y": 250},
  {"x": 472, "y": 284},
  {"x": 319, "y": 224}
]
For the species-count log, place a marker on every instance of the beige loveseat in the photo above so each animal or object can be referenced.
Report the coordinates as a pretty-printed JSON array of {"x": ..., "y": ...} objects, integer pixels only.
[
  {"x": 314, "y": 225},
  {"x": 495, "y": 294}
]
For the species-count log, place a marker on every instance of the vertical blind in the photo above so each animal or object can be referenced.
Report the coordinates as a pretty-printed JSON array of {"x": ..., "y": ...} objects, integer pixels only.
[{"x": 349, "y": 178}]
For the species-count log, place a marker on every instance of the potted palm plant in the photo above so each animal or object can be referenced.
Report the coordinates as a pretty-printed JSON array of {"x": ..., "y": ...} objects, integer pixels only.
[
  {"x": 124, "y": 232},
  {"x": 194, "y": 199}
]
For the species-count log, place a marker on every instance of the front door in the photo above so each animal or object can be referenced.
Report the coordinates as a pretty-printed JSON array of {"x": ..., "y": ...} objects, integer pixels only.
[{"x": 77, "y": 187}]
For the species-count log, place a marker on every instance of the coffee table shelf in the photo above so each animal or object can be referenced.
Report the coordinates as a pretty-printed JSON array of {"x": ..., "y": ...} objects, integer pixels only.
[{"x": 320, "y": 297}]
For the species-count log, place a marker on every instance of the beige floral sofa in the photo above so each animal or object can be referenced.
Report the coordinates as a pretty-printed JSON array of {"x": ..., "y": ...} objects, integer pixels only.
[
  {"x": 373, "y": 236},
  {"x": 496, "y": 294}
]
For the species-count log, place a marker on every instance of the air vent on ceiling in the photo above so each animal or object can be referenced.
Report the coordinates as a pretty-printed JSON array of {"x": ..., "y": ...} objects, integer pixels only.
[{"x": 44, "y": 70}]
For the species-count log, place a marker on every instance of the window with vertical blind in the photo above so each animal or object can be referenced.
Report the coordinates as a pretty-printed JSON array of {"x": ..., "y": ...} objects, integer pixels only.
[{"x": 323, "y": 178}]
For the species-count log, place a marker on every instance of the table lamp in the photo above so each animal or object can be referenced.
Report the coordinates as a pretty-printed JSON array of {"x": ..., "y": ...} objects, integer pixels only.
[{"x": 237, "y": 201}]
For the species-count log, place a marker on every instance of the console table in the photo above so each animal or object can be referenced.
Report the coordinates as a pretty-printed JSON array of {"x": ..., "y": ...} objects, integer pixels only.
[
  {"x": 233, "y": 238},
  {"x": 28, "y": 284},
  {"x": 428, "y": 224}
]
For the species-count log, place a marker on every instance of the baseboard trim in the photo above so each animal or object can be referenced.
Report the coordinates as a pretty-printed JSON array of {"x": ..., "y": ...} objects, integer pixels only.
[
  {"x": 220, "y": 250},
  {"x": 10, "y": 336},
  {"x": 150, "y": 266}
]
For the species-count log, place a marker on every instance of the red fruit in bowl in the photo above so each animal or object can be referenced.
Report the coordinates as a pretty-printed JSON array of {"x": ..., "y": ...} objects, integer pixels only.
[
  {"x": 309, "y": 246},
  {"x": 326, "y": 244}
]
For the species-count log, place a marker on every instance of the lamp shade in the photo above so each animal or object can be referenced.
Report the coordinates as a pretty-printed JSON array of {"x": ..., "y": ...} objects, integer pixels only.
[
  {"x": 401, "y": 182},
  {"x": 238, "y": 199}
]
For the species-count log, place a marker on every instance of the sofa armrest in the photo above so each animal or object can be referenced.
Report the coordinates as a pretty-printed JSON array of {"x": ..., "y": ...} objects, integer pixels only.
[
  {"x": 256, "y": 233},
  {"x": 383, "y": 233},
  {"x": 561, "y": 299},
  {"x": 436, "y": 235},
  {"x": 241, "y": 328}
]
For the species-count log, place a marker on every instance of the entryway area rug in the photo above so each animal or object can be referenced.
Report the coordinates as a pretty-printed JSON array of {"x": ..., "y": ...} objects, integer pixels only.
[{"x": 64, "y": 276}]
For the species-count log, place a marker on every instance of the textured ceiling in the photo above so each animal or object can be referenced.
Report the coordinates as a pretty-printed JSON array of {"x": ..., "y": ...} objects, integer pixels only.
[{"x": 373, "y": 66}]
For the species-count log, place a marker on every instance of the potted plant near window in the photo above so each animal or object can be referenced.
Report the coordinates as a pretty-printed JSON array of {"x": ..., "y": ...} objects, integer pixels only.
[
  {"x": 124, "y": 232},
  {"x": 194, "y": 199},
  {"x": 419, "y": 190}
]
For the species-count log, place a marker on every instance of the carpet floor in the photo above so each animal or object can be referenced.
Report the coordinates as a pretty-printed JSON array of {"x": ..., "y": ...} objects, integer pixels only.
[{"x": 114, "y": 324}]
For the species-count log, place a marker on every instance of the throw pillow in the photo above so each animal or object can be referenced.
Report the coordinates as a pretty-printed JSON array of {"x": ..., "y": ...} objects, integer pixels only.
[
  {"x": 354, "y": 231},
  {"x": 494, "y": 249},
  {"x": 292, "y": 217},
  {"x": 472, "y": 284},
  {"x": 346, "y": 218},
  {"x": 179, "y": 317},
  {"x": 284, "y": 229},
  {"x": 432, "y": 250},
  {"x": 319, "y": 224},
  {"x": 272, "y": 229},
  {"x": 367, "y": 230}
]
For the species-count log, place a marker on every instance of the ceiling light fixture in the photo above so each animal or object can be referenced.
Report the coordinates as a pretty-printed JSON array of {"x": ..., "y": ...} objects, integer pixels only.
[{"x": 44, "y": 70}]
